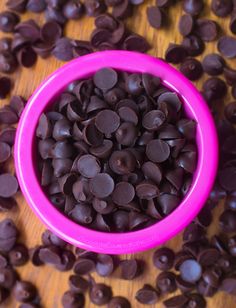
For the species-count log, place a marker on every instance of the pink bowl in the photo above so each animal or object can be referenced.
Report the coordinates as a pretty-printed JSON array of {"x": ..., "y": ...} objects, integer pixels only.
[{"x": 114, "y": 243}]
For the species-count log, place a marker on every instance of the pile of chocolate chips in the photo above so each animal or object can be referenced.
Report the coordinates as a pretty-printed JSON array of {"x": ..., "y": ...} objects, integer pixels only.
[
  {"x": 31, "y": 40},
  {"x": 117, "y": 151},
  {"x": 202, "y": 279}
]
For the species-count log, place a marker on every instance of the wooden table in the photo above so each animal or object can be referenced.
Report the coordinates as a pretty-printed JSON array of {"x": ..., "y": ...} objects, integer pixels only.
[{"x": 50, "y": 283}]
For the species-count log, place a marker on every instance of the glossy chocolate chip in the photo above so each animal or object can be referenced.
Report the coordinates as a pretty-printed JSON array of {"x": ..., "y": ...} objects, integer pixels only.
[
  {"x": 78, "y": 284},
  {"x": 17, "y": 5},
  {"x": 84, "y": 266}
]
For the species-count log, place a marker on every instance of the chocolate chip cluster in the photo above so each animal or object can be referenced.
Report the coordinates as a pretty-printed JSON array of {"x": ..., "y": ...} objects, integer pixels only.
[{"x": 117, "y": 151}]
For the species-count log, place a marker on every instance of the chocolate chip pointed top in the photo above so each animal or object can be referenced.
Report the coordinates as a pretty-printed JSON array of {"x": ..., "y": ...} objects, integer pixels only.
[
  {"x": 104, "y": 265},
  {"x": 24, "y": 291},
  {"x": 163, "y": 258},
  {"x": 73, "y": 299},
  {"x": 8, "y": 21}
]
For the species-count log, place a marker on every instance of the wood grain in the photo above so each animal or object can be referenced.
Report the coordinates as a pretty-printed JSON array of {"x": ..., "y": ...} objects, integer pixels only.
[{"x": 50, "y": 283}]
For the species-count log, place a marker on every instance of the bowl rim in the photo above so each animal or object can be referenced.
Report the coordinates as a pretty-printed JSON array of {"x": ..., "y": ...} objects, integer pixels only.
[{"x": 116, "y": 243}]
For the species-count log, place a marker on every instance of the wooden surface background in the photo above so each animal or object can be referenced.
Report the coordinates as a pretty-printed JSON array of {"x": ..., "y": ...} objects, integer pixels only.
[{"x": 50, "y": 283}]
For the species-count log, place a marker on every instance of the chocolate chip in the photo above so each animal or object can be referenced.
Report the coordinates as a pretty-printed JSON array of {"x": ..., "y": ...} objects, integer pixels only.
[
  {"x": 221, "y": 8},
  {"x": 135, "y": 42},
  {"x": 8, "y": 277},
  {"x": 100, "y": 294},
  {"x": 147, "y": 295},
  {"x": 50, "y": 32},
  {"x": 215, "y": 88},
  {"x": 34, "y": 256},
  {"x": 107, "y": 121},
  {"x": 53, "y": 13},
  {"x": 73, "y": 9},
  {"x": 104, "y": 265},
  {"x": 227, "y": 221},
  {"x": 226, "y": 46},
  {"x": 8, "y": 64},
  {"x": 163, "y": 258},
  {"x": 49, "y": 238},
  {"x": 193, "y": 7},
  {"x": 155, "y": 17},
  {"x": 205, "y": 289},
  {"x": 175, "y": 53},
  {"x": 122, "y": 10},
  {"x": 165, "y": 282},
  {"x": 157, "y": 151},
  {"x": 63, "y": 49},
  {"x": 230, "y": 112},
  {"x": 18, "y": 255},
  {"x": 191, "y": 68},
  {"x": 213, "y": 64},
  {"x": 17, "y": 5},
  {"x": 194, "y": 45},
  {"x": 84, "y": 266},
  {"x": 17, "y": 103},
  {"x": 186, "y": 24},
  {"x": 176, "y": 301},
  {"x": 129, "y": 269},
  {"x": 36, "y": 6},
  {"x": 208, "y": 256},
  {"x": 228, "y": 284},
  {"x": 119, "y": 301},
  {"x": 29, "y": 30},
  {"x": 8, "y": 185},
  {"x": 72, "y": 299},
  {"x": 8, "y": 21},
  {"x": 190, "y": 271},
  {"x": 5, "y": 44},
  {"x": 207, "y": 29},
  {"x": 24, "y": 291},
  {"x": 67, "y": 261},
  {"x": 78, "y": 284}
]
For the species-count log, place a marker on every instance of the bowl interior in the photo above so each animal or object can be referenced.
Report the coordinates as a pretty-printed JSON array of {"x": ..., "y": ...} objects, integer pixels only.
[{"x": 194, "y": 107}]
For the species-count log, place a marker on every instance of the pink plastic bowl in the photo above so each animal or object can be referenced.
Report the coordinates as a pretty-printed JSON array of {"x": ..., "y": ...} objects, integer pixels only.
[{"x": 115, "y": 243}]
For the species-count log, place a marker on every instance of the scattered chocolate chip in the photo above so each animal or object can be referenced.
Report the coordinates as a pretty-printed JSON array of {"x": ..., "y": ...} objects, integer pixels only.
[
  {"x": 72, "y": 299},
  {"x": 155, "y": 17},
  {"x": 18, "y": 255},
  {"x": 175, "y": 53},
  {"x": 100, "y": 294},
  {"x": 119, "y": 301},
  {"x": 191, "y": 68},
  {"x": 165, "y": 282},
  {"x": 84, "y": 266},
  {"x": 147, "y": 295},
  {"x": 104, "y": 265},
  {"x": 163, "y": 258},
  {"x": 193, "y": 7},
  {"x": 221, "y": 8},
  {"x": 8, "y": 21},
  {"x": 226, "y": 46},
  {"x": 186, "y": 24},
  {"x": 24, "y": 291}
]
